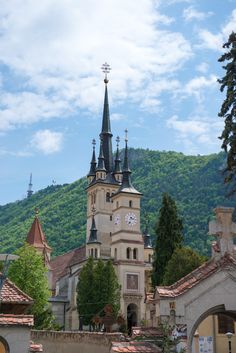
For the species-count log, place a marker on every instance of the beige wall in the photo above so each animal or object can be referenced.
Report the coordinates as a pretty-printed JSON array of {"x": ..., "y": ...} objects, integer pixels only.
[
  {"x": 17, "y": 337},
  {"x": 74, "y": 342},
  {"x": 209, "y": 327}
]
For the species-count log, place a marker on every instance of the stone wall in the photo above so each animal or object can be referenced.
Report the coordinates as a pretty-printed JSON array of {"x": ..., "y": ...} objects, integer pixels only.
[
  {"x": 74, "y": 342},
  {"x": 17, "y": 338}
]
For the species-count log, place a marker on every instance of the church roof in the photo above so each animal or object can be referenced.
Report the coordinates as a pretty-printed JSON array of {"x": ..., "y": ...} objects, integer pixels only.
[
  {"x": 16, "y": 320},
  {"x": 195, "y": 277},
  {"x": 11, "y": 294},
  {"x": 61, "y": 264},
  {"x": 36, "y": 236}
]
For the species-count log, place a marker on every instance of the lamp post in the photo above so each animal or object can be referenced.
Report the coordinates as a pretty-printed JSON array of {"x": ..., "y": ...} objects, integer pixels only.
[{"x": 229, "y": 336}]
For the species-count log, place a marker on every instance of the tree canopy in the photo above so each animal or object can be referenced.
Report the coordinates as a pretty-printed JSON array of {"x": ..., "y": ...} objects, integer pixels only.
[
  {"x": 183, "y": 261},
  {"x": 228, "y": 109},
  {"x": 97, "y": 286},
  {"x": 29, "y": 274},
  {"x": 169, "y": 236}
]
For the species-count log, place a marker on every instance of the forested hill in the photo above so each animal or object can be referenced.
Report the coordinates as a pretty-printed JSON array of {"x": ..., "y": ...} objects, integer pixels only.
[{"x": 195, "y": 182}]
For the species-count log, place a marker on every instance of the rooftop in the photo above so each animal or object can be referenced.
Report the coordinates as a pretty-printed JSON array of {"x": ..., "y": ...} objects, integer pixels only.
[
  {"x": 11, "y": 294},
  {"x": 16, "y": 320}
]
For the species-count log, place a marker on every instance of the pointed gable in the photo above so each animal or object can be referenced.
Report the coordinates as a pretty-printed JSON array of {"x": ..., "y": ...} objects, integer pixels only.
[{"x": 36, "y": 237}]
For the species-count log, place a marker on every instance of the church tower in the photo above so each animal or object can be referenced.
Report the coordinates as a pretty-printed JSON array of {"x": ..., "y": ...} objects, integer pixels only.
[
  {"x": 127, "y": 246},
  {"x": 102, "y": 184}
]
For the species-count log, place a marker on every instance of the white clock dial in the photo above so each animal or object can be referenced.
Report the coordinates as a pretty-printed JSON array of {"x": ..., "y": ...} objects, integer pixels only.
[
  {"x": 130, "y": 219},
  {"x": 117, "y": 219}
]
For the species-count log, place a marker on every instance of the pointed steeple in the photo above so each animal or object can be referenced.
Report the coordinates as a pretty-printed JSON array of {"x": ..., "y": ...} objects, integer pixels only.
[
  {"x": 126, "y": 185},
  {"x": 146, "y": 236},
  {"x": 93, "y": 232},
  {"x": 106, "y": 125},
  {"x": 101, "y": 159},
  {"x": 93, "y": 163},
  {"x": 117, "y": 168},
  {"x": 30, "y": 191},
  {"x": 36, "y": 237}
]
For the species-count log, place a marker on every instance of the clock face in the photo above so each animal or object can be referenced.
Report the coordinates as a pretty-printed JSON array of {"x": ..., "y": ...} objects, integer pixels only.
[
  {"x": 117, "y": 219},
  {"x": 130, "y": 219}
]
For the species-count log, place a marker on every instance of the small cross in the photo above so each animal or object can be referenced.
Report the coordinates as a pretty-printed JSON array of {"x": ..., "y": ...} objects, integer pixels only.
[
  {"x": 117, "y": 141},
  {"x": 106, "y": 69},
  {"x": 126, "y": 135}
]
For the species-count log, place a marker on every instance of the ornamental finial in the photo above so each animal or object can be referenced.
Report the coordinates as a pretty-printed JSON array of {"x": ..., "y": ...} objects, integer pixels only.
[
  {"x": 93, "y": 210},
  {"x": 117, "y": 141},
  {"x": 93, "y": 143},
  {"x": 36, "y": 211},
  {"x": 126, "y": 135},
  {"x": 106, "y": 69}
]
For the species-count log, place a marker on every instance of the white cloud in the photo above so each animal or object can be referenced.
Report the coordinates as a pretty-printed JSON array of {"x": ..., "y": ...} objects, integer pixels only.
[
  {"x": 57, "y": 47},
  {"x": 203, "y": 67},
  {"x": 117, "y": 117},
  {"x": 196, "y": 87},
  {"x": 190, "y": 13},
  {"x": 195, "y": 132},
  {"x": 47, "y": 141}
]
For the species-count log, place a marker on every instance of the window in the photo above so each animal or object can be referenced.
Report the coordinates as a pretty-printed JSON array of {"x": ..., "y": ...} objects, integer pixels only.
[
  {"x": 115, "y": 254},
  {"x": 225, "y": 324},
  {"x": 117, "y": 204},
  {"x": 150, "y": 258},
  {"x": 108, "y": 197},
  {"x": 130, "y": 203},
  {"x": 96, "y": 253},
  {"x": 92, "y": 252},
  {"x": 111, "y": 218},
  {"x": 135, "y": 254},
  {"x": 128, "y": 253}
]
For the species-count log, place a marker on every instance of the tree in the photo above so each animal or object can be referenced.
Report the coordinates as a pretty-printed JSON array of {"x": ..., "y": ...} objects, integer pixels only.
[
  {"x": 97, "y": 286},
  {"x": 228, "y": 108},
  {"x": 168, "y": 237},
  {"x": 183, "y": 261},
  {"x": 29, "y": 274}
]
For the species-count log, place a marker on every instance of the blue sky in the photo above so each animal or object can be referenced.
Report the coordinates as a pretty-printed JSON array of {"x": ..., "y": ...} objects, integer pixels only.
[{"x": 163, "y": 84}]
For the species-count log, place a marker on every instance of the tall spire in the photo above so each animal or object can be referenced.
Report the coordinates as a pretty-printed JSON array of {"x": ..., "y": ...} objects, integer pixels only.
[
  {"x": 93, "y": 163},
  {"x": 106, "y": 125},
  {"x": 126, "y": 185},
  {"x": 30, "y": 191},
  {"x": 117, "y": 168}
]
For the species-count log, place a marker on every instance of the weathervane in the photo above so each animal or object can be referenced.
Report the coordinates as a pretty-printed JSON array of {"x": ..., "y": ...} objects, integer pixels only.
[{"x": 106, "y": 69}]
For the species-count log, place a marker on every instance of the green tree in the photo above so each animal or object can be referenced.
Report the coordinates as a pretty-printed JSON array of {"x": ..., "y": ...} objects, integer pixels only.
[
  {"x": 183, "y": 261},
  {"x": 29, "y": 274},
  {"x": 97, "y": 286},
  {"x": 168, "y": 237},
  {"x": 228, "y": 108}
]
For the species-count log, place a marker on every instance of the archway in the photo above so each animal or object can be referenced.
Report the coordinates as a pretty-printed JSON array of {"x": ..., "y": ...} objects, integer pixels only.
[
  {"x": 132, "y": 315},
  {"x": 4, "y": 348},
  {"x": 212, "y": 326}
]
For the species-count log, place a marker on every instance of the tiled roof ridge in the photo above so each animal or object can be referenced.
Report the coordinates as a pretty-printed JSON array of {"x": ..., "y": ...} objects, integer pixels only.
[
  {"x": 16, "y": 320},
  {"x": 16, "y": 288},
  {"x": 197, "y": 275}
]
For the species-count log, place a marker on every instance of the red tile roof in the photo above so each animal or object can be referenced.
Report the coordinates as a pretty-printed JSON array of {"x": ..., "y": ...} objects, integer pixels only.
[
  {"x": 61, "y": 264},
  {"x": 134, "y": 347},
  {"x": 146, "y": 332},
  {"x": 36, "y": 236},
  {"x": 11, "y": 294},
  {"x": 196, "y": 276},
  {"x": 16, "y": 320}
]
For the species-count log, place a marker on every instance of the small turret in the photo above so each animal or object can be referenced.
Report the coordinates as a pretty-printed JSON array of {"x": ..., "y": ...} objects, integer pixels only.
[
  {"x": 30, "y": 191},
  {"x": 93, "y": 245},
  {"x": 93, "y": 164},
  {"x": 117, "y": 169},
  {"x": 101, "y": 170}
]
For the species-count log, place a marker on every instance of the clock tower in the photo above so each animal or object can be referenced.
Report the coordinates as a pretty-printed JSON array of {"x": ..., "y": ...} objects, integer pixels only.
[{"x": 127, "y": 246}]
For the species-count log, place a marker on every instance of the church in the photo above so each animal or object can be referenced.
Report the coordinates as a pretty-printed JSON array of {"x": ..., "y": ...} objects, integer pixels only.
[{"x": 113, "y": 232}]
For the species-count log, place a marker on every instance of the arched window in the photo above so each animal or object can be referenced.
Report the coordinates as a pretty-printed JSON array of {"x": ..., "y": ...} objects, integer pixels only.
[
  {"x": 115, "y": 253},
  {"x": 96, "y": 253},
  {"x": 130, "y": 203},
  {"x": 150, "y": 258},
  {"x": 108, "y": 197},
  {"x": 92, "y": 252},
  {"x": 135, "y": 254},
  {"x": 117, "y": 204},
  {"x": 128, "y": 253},
  {"x": 4, "y": 348}
]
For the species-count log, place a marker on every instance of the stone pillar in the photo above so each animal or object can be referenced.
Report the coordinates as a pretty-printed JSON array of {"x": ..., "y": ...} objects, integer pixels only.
[{"x": 224, "y": 229}]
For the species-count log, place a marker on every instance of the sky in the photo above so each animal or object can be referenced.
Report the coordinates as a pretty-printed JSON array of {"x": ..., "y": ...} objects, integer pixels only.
[{"x": 162, "y": 87}]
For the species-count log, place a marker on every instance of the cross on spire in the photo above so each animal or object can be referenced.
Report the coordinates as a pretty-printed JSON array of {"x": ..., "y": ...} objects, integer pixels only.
[
  {"x": 106, "y": 69},
  {"x": 117, "y": 141},
  {"x": 126, "y": 135}
]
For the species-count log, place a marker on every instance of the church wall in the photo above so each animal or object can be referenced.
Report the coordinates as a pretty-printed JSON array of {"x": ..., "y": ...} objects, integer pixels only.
[{"x": 74, "y": 342}]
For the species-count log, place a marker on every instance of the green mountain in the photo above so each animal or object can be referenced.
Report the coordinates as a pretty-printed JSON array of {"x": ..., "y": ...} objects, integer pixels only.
[{"x": 195, "y": 182}]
